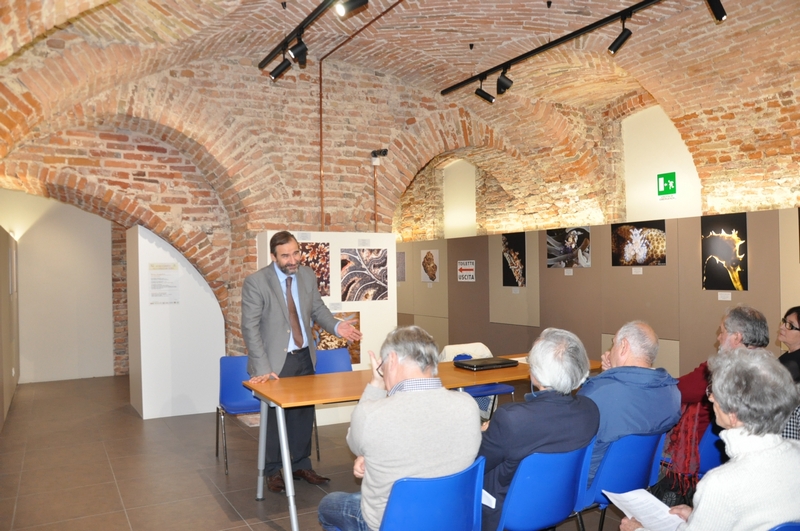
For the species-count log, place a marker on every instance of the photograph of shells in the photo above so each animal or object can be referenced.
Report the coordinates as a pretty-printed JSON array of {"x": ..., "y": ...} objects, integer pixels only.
[
  {"x": 724, "y": 252},
  {"x": 514, "y": 259},
  {"x": 317, "y": 256},
  {"x": 365, "y": 274},
  {"x": 326, "y": 341},
  {"x": 570, "y": 247},
  {"x": 639, "y": 244},
  {"x": 430, "y": 265}
]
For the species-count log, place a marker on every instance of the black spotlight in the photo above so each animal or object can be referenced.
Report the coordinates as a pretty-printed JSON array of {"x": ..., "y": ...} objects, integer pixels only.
[
  {"x": 483, "y": 94},
  {"x": 619, "y": 41},
  {"x": 280, "y": 69},
  {"x": 299, "y": 51},
  {"x": 717, "y": 9},
  {"x": 346, "y": 6},
  {"x": 504, "y": 82}
]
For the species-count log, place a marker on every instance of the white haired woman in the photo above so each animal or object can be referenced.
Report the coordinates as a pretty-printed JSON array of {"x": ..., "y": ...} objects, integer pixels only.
[{"x": 753, "y": 395}]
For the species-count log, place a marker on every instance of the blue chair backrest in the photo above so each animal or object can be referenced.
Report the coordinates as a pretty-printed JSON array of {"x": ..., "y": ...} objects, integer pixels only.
[
  {"x": 335, "y": 360},
  {"x": 790, "y": 526},
  {"x": 233, "y": 396},
  {"x": 711, "y": 449},
  {"x": 544, "y": 489},
  {"x": 460, "y": 357},
  {"x": 627, "y": 465},
  {"x": 451, "y": 503}
]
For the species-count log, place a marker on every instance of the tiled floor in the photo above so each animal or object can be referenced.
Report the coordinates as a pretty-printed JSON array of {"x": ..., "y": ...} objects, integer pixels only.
[{"x": 75, "y": 456}]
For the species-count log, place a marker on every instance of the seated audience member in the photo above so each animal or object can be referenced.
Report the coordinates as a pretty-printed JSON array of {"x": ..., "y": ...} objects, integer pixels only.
[
  {"x": 741, "y": 326},
  {"x": 757, "y": 489},
  {"x": 789, "y": 335},
  {"x": 405, "y": 425},
  {"x": 550, "y": 421},
  {"x": 632, "y": 396}
]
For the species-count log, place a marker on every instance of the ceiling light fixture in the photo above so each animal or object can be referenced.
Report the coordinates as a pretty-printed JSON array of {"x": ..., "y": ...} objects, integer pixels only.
[
  {"x": 299, "y": 51},
  {"x": 717, "y": 9},
  {"x": 621, "y": 38},
  {"x": 483, "y": 94},
  {"x": 504, "y": 82},
  {"x": 279, "y": 70},
  {"x": 347, "y": 6}
]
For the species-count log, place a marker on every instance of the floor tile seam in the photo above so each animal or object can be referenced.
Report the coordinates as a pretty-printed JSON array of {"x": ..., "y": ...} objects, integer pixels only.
[
  {"x": 19, "y": 486},
  {"x": 37, "y": 526},
  {"x": 116, "y": 485},
  {"x": 25, "y": 496}
]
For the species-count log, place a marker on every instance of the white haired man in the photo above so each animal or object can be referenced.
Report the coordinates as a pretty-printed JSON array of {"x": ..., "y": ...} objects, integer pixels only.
[{"x": 632, "y": 396}]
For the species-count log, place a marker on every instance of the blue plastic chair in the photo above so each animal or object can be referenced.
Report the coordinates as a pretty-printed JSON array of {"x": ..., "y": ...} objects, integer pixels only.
[
  {"x": 544, "y": 489},
  {"x": 711, "y": 450},
  {"x": 234, "y": 398},
  {"x": 449, "y": 503},
  {"x": 629, "y": 463},
  {"x": 486, "y": 390},
  {"x": 789, "y": 526},
  {"x": 328, "y": 361}
]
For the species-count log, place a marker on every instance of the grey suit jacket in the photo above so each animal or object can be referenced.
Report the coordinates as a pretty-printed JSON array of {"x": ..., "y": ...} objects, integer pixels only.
[{"x": 265, "y": 317}]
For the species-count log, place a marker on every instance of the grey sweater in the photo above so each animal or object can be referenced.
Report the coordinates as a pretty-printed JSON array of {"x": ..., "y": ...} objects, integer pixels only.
[{"x": 422, "y": 434}]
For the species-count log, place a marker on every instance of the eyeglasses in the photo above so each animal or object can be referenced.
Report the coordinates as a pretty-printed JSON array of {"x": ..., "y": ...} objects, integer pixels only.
[
  {"x": 709, "y": 391},
  {"x": 378, "y": 370},
  {"x": 789, "y": 325}
]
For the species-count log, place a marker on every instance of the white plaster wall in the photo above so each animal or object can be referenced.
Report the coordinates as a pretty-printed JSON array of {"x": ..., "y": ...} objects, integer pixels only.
[
  {"x": 65, "y": 299},
  {"x": 174, "y": 348},
  {"x": 653, "y": 146},
  {"x": 459, "y": 200}
]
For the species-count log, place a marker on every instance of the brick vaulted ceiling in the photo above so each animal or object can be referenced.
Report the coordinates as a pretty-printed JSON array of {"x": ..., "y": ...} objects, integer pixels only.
[{"x": 153, "y": 112}]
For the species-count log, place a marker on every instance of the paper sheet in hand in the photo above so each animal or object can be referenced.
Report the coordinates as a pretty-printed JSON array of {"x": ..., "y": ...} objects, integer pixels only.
[{"x": 649, "y": 510}]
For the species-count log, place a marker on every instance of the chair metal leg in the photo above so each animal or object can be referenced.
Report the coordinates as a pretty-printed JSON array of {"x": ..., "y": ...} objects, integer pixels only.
[
  {"x": 224, "y": 440},
  {"x": 316, "y": 433},
  {"x": 580, "y": 522},
  {"x": 216, "y": 453},
  {"x": 602, "y": 518}
]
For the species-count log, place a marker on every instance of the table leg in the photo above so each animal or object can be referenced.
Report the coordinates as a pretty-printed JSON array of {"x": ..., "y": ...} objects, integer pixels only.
[
  {"x": 262, "y": 451},
  {"x": 287, "y": 467}
]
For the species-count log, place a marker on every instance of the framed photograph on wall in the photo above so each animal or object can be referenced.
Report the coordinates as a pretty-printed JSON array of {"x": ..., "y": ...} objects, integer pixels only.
[
  {"x": 639, "y": 244},
  {"x": 724, "y": 252},
  {"x": 513, "y": 259},
  {"x": 570, "y": 247}
]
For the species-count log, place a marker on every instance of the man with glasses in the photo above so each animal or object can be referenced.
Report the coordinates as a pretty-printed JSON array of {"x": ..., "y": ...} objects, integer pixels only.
[
  {"x": 741, "y": 326},
  {"x": 405, "y": 425}
]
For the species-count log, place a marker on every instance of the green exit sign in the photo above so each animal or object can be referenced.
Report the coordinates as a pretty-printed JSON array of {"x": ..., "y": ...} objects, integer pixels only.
[{"x": 666, "y": 184}]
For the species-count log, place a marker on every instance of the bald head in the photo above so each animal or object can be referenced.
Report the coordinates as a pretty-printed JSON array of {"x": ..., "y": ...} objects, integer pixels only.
[{"x": 635, "y": 344}]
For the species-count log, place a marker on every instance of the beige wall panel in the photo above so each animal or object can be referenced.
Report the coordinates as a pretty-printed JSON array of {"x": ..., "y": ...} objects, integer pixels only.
[
  {"x": 435, "y": 326},
  {"x": 651, "y": 297},
  {"x": 514, "y": 305},
  {"x": 575, "y": 302},
  {"x": 701, "y": 310},
  {"x": 790, "y": 262},
  {"x": 430, "y": 298},
  {"x": 405, "y": 290},
  {"x": 668, "y": 353}
]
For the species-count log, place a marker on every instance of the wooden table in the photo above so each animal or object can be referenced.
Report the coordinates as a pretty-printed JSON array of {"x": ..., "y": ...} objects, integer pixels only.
[{"x": 340, "y": 387}]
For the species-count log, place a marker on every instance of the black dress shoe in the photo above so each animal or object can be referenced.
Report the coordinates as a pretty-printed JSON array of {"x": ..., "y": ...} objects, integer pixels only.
[
  {"x": 310, "y": 476},
  {"x": 275, "y": 482}
]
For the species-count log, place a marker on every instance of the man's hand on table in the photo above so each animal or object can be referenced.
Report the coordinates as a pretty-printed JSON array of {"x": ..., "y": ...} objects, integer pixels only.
[{"x": 264, "y": 378}]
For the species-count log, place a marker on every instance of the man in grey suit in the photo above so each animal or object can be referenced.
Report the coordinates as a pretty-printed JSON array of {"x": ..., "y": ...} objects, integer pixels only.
[{"x": 279, "y": 303}]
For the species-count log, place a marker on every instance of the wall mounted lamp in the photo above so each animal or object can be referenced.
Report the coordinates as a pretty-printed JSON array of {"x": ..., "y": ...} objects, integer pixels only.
[
  {"x": 483, "y": 94},
  {"x": 504, "y": 82},
  {"x": 344, "y": 7},
  {"x": 621, "y": 38},
  {"x": 299, "y": 51},
  {"x": 717, "y": 9},
  {"x": 279, "y": 70}
]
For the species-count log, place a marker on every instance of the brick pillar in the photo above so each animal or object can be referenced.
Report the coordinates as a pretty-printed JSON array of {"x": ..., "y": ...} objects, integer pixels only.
[{"x": 119, "y": 294}]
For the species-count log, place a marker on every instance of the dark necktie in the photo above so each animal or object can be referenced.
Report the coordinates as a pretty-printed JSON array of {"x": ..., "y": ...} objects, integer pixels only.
[{"x": 294, "y": 320}]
